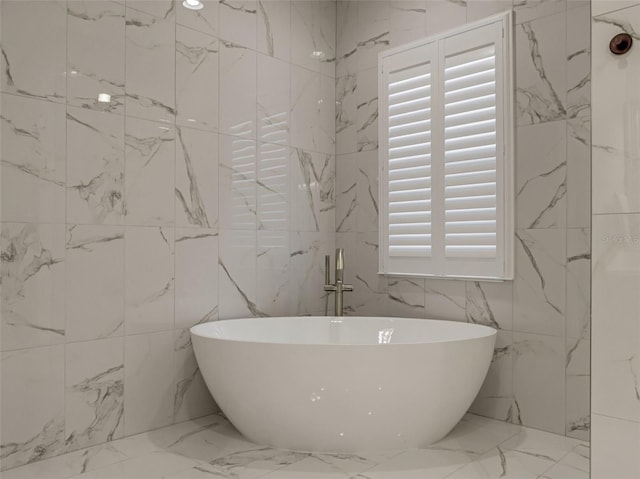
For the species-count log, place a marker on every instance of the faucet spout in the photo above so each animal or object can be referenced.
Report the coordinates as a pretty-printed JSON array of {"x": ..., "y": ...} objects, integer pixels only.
[
  {"x": 340, "y": 264},
  {"x": 339, "y": 287}
]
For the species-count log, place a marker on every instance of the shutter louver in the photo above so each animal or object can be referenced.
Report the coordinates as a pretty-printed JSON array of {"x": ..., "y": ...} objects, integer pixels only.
[
  {"x": 470, "y": 154},
  {"x": 409, "y": 161}
]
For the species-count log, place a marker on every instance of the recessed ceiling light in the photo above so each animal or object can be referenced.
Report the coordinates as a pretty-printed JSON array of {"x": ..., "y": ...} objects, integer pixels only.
[
  {"x": 192, "y": 4},
  {"x": 316, "y": 54},
  {"x": 104, "y": 97}
]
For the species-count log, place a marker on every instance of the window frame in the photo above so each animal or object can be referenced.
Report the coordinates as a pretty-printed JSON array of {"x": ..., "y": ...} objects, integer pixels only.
[{"x": 438, "y": 266}]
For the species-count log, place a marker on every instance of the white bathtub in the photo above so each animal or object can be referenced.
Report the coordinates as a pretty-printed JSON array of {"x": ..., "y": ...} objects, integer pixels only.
[{"x": 343, "y": 384}]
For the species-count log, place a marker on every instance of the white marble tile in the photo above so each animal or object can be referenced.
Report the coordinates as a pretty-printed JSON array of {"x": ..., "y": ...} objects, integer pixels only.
[
  {"x": 490, "y": 303},
  {"x": 238, "y": 22},
  {"x": 313, "y": 35},
  {"x": 273, "y": 177},
  {"x": 327, "y": 123},
  {"x": 33, "y": 159},
  {"x": 27, "y": 68},
  {"x": 94, "y": 401},
  {"x": 367, "y": 110},
  {"x": 148, "y": 381},
  {"x": 309, "y": 468},
  {"x": 196, "y": 188},
  {"x": 498, "y": 463},
  {"x": 578, "y": 404},
  {"x": 579, "y": 117},
  {"x": 579, "y": 282},
  {"x": 197, "y": 74},
  {"x": 191, "y": 396},
  {"x": 273, "y": 282},
  {"x": 305, "y": 108},
  {"x": 245, "y": 464},
  {"x": 414, "y": 464},
  {"x": 312, "y": 193},
  {"x": 346, "y": 37},
  {"x": 578, "y": 362},
  {"x": 445, "y": 299},
  {"x": 372, "y": 32},
  {"x": 574, "y": 465},
  {"x": 540, "y": 444},
  {"x": 571, "y": 4},
  {"x": 68, "y": 465},
  {"x": 151, "y": 466},
  {"x": 273, "y": 100},
  {"x": 405, "y": 297},
  {"x": 539, "y": 381},
  {"x": 367, "y": 191},
  {"x": 600, "y": 7},
  {"x": 526, "y": 455},
  {"x": 237, "y": 183},
  {"x": 307, "y": 252},
  {"x": 95, "y": 282},
  {"x": 150, "y": 278},
  {"x": 213, "y": 442},
  {"x": 238, "y": 89},
  {"x": 196, "y": 257},
  {"x": 158, "y": 440},
  {"x": 237, "y": 273},
  {"x": 149, "y": 173},
  {"x": 578, "y": 61},
  {"x": 495, "y": 398},
  {"x": 541, "y": 183},
  {"x": 37, "y": 432},
  {"x": 95, "y": 167},
  {"x": 540, "y": 285},
  {"x": 206, "y": 20},
  {"x": 616, "y": 144},
  {"x": 33, "y": 285},
  {"x": 579, "y": 172},
  {"x": 478, "y": 9},
  {"x": 615, "y": 447},
  {"x": 616, "y": 308},
  {"x": 357, "y": 463},
  {"x": 95, "y": 54},
  {"x": 540, "y": 70},
  {"x": 346, "y": 193},
  {"x": 274, "y": 23},
  {"x": 346, "y": 114},
  {"x": 150, "y": 64},
  {"x": 369, "y": 288},
  {"x": 407, "y": 21},
  {"x": 476, "y": 435},
  {"x": 527, "y": 10},
  {"x": 443, "y": 16},
  {"x": 157, "y": 8}
]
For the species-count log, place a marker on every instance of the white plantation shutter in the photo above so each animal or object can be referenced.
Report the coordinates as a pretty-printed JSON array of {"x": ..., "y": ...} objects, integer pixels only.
[
  {"x": 446, "y": 155},
  {"x": 409, "y": 149}
]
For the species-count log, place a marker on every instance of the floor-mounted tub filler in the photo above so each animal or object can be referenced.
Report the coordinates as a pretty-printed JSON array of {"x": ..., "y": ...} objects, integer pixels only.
[{"x": 343, "y": 384}]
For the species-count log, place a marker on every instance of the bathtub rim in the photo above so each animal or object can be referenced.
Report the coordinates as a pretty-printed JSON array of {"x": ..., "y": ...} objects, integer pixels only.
[{"x": 488, "y": 332}]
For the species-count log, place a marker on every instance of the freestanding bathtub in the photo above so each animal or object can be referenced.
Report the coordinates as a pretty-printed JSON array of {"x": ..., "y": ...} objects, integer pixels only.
[{"x": 348, "y": 384}]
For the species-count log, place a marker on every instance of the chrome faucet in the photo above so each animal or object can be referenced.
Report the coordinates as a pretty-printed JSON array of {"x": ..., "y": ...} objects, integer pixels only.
[{"x": 339, "y": 287}]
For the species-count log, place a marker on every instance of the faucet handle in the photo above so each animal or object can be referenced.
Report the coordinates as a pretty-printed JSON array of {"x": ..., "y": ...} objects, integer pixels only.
[{"x": 347, "y": 287}]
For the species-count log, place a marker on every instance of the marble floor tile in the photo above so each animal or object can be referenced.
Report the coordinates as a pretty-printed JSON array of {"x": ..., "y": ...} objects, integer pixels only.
[
  {"x": 211, "y": 447},
  {"x": 69, "y": 465}
]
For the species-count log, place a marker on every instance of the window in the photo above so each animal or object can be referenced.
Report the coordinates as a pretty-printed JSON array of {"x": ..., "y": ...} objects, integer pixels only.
[{"x": 446, "y": 154}]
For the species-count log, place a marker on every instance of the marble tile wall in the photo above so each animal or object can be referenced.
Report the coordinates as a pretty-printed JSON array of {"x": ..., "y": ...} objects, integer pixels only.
[
  {"x": 615, "y": 388},
  {"x": 540, "y": 372},
  {"x": 198, "y": 192}
]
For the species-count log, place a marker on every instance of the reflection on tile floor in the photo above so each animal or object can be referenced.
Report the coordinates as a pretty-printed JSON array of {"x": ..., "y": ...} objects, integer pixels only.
[{"x": 477, "y": 448}]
